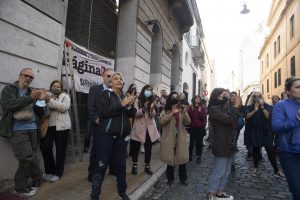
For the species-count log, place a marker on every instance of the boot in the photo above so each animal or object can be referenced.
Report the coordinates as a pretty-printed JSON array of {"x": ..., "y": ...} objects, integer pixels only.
[
  {"x": 148, "y": 169},
  {"x": 134, "y": 169}
]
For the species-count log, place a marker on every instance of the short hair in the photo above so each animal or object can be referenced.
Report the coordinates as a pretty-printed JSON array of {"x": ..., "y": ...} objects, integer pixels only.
[
  {"x": 24, "y": 69},
  {"x": 107, "y": 69},
  {"x": 233, "y": 92},
  {"x": 57, "y": 81},
  {"x": 116, "y": 73}
]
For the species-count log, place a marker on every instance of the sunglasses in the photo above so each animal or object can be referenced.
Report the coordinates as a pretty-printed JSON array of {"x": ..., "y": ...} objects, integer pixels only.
[{"x": 28, "y": 76}]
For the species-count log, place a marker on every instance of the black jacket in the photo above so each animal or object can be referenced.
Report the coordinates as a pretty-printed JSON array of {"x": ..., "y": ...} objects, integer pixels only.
[
  {"x": 93, "y": 92},
  {"x": 114, "y": 119}
]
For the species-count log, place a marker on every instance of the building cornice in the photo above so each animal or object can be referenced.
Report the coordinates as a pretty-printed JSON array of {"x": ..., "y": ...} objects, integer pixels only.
[{"x": 282, "y": 15}]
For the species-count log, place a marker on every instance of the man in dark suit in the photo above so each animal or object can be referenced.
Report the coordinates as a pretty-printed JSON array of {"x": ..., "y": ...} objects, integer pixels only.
[{"x": 93, "y": 115}]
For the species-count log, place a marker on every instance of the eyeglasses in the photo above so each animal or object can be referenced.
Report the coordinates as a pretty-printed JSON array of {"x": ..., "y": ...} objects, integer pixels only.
[{"x": 28, "y": 76}]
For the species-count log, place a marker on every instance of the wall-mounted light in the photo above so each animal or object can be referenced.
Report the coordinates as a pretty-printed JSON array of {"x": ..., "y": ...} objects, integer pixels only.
[{"x": 245, "y": 9}]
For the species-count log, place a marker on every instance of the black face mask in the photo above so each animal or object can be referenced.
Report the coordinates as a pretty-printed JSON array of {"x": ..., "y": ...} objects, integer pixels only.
[
  {"x": 182, "y": 101},
  {"x": 224, "y": 100},
  {"x": 174, "y": 101}
]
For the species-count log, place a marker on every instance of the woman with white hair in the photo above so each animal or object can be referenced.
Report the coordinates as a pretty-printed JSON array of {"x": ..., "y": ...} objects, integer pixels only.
[{"x": 114, "y": 110}]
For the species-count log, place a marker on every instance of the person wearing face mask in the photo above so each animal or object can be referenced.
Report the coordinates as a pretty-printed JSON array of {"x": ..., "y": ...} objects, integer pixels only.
[
  {"x": 198, "y": 117},
  {"x": 174, "y": 148},
  {"x": 258, "y": 128},
  {"x": 144, "y": 128},
  {"x": 223, "y": 131},
  {"x": 58, "y": 104}
]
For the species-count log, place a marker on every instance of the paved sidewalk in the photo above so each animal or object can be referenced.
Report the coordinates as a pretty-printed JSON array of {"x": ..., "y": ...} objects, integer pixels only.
[
  {"x": 74, "y": 185},
  {"x": 240, "y": 184}
]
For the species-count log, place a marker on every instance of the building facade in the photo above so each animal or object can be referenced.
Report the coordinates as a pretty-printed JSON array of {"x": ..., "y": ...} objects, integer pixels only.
[
  {"x": 149, "y": 43},
  {"x": 143, "y": 36},
  {"x": 280, "y": 54}
]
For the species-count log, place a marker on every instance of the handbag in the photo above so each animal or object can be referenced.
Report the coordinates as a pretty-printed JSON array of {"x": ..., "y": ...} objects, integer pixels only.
[
  {"x": 43, "y": 127},
  {"x": 44, "y": 123},
  {"x": 24, "y": 114}
]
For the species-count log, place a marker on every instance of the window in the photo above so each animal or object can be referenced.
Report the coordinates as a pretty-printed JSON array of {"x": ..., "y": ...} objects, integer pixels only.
[
  {"x": 292, "y": 27},
  {"x": 262, "y": 88},
  {"x": 262, "y": 67},
  {"x": 279, "y": 77},
  {"x": 293, "y": 67},
  {"x": 275, "y": 51},
  {"x": 275, "y": 80},
  {"x": 278, "y": 45},
  {"x": 268, "y": 86},
  {"x": 267, "y": 60}
]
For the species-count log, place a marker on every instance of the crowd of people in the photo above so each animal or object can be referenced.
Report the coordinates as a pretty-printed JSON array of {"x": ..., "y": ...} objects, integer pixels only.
[{"x": 38, "y": 118}]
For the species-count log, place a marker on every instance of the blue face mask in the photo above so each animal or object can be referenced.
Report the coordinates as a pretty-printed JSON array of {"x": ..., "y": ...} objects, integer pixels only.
[{"x": 147, "y": 93}]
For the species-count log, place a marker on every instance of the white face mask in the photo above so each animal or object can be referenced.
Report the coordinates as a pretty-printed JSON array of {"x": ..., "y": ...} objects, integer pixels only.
[{"x": 147, "y": 94}]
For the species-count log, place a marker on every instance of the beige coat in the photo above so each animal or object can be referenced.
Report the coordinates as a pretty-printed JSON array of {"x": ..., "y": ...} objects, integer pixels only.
[
  {"x": 174, "y": 149},
  {"x": 60, "y": 108}
]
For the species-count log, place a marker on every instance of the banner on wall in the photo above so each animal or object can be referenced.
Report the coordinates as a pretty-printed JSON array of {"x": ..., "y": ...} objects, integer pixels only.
[{"x": 87, "y": 67}]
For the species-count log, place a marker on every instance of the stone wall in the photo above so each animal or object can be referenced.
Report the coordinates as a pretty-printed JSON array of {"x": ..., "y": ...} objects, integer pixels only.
[{"x": 31, "y": 35}]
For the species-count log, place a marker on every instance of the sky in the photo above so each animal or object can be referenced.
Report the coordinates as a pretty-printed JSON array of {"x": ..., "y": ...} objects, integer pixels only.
[{"x": 225, "y": 28}]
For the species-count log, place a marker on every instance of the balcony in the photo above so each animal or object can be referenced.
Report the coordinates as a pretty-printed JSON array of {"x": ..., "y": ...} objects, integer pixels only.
[{"x": 197, "y": 51}]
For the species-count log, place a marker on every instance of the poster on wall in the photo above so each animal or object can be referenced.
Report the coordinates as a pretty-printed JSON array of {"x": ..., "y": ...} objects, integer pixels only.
[{"x": 87, "y": 66}]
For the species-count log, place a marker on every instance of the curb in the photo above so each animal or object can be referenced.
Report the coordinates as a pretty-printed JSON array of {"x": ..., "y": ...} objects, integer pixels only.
[{"x": 145, "y": 187}]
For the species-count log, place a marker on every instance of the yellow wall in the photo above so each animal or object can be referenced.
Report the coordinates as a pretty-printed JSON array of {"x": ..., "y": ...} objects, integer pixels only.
[{"x": 288, "y": 48}]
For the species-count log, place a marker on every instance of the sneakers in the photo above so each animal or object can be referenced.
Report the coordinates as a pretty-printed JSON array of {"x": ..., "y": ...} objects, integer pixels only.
[
  {"x": 36, "y": 184},
  {"x": 224, "y": 196},
  {"x": 47, "y": 177},
  {"x": 280, "y": 175},
  {"x": 254, "y": 172},
  {"x": 54, "y": 178},
  {"x": 123, "y": 196},
  {"x": 25, "y": 192}
]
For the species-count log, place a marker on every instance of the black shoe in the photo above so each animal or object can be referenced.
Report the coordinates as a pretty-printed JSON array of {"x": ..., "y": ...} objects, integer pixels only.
[
  {"x": 36, "y": 184},
  {"x": 123, "y": 196},
  {"x": 148, "y": 170},
  {"x": 134, "y": 169},
  {"x": 170, "y": 182},
  {"x": 185, "y": 183},
  {"x": 198, "y": 160}
]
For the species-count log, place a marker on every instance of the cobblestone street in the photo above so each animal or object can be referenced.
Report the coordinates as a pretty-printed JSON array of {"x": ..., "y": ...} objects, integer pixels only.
[{"x": 240, "y": 184}]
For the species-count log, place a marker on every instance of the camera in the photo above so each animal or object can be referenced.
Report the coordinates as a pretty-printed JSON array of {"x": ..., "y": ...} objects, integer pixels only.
[{"x": 259, "y": 100}]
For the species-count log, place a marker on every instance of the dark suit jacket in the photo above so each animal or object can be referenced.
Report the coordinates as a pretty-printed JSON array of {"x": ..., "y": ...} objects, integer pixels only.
[{"x": 93, "y": 93}]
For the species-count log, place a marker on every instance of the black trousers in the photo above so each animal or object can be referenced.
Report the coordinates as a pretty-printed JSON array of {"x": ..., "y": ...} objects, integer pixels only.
[
  {"x": 182, "y": 172},
  {"x": 196, "y": 139},
  {"x": 60, "y": 138},
  {"x": 135, "y": 149},
  {"x": 271, "y": 155}
]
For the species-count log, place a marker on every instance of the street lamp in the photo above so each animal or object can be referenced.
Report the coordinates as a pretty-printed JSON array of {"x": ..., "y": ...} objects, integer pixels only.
[{"x": 245, "y": 9}]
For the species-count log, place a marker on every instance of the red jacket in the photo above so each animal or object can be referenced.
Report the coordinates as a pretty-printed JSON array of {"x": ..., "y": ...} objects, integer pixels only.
[{"x": 198, "y": 118}]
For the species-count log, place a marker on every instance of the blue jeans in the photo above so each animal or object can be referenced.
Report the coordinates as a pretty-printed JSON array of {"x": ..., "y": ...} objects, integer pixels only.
[
  {"x": 109, "y": 150},
  {"x": 220, "y": 173},
  {"x": 290, "y": 163}
]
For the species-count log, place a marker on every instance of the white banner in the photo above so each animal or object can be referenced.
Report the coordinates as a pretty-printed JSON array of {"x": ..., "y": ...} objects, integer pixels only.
[{"x": 87, "y": 67}]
